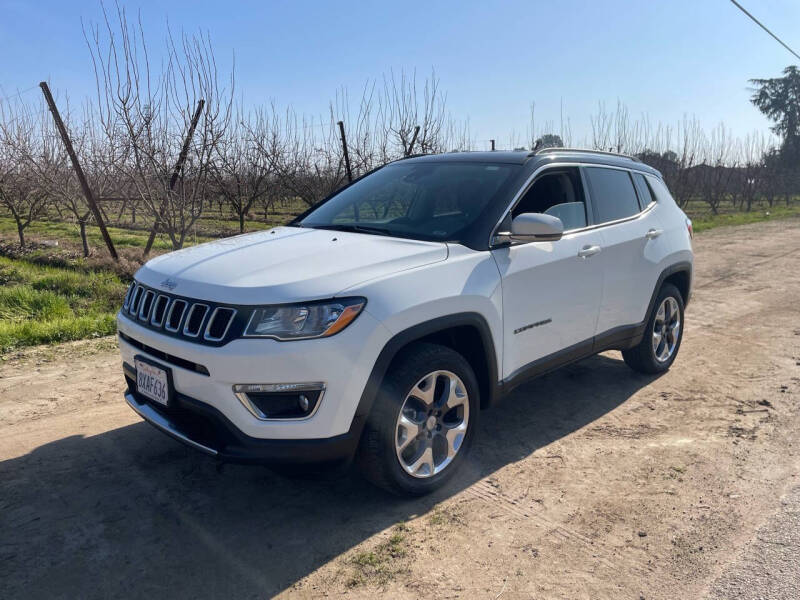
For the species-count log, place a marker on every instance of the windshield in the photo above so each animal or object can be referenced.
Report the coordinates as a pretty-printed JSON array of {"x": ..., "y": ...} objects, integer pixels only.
[{"x": 429, "y": 201}]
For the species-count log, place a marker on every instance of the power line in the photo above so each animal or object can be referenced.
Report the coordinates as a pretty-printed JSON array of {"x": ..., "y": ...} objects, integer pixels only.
[
  {"x": 760, "y": 24},
  {"x": 17, "y": 94}
]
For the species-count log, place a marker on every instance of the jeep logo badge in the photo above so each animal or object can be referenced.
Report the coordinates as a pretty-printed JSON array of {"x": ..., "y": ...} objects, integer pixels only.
[{"x": 171, "y": 284}]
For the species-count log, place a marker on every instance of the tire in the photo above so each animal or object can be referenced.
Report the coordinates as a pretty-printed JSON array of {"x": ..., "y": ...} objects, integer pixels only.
[
  {"x": 421, "y": 365},
  {"x": 653, "y": 357}
]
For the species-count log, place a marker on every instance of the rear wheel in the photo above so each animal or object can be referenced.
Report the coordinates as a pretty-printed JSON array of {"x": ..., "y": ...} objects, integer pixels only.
[
  {"x": 662, "y": 337},
  {"x": 422, "y": 423}
]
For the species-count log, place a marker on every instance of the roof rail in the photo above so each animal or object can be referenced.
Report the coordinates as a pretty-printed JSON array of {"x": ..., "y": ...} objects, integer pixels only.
[{"x": 583, "y": 150}]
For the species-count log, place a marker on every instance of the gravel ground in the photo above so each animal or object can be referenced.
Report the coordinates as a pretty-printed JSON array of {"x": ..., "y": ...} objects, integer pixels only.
[{"x": 769, "y": 567}]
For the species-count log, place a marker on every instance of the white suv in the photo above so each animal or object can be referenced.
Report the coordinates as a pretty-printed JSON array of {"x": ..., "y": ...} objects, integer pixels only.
[{"x": 379, "y": 323}]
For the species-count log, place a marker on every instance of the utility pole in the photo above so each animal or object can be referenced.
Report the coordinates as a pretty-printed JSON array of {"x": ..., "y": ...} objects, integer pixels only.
[
  {"x": 413, "y": 140},
  {"x": 175, "y": 173},
  {"x": 87, "y": 191},
  {"x": 346, "y": 155}
]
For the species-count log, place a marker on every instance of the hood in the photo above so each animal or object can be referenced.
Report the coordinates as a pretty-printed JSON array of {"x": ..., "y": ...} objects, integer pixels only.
[{"x": 284, "y": 264}]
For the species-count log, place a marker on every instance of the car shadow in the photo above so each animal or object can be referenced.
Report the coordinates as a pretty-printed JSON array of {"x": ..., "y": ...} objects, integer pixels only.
[{"x": 132, "y": 513}]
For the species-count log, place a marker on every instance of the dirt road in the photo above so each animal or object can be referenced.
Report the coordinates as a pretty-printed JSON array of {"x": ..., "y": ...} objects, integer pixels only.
[{"x": 593, "y": 482}]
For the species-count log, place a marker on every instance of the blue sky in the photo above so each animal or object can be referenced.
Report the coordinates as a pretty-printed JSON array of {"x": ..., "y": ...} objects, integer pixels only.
[{"x": 664, "y": 58}]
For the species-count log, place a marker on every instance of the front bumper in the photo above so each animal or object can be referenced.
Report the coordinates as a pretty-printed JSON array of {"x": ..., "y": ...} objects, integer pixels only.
[
  {"x": 206, "y": 429},
  {"x": 207, "y": 375}
]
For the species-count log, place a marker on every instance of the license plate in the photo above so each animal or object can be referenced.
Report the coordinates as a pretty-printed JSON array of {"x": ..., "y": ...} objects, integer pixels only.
[{"x": 152, "y": 382}]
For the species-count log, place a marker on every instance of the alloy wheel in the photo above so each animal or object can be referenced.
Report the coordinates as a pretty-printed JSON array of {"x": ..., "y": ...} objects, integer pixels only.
[
  {"x": 666, "y": 329},
  {"x": 432, "y": 424}
]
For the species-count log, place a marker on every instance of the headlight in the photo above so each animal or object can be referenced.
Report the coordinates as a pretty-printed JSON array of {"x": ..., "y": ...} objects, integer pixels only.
[{"x": 302, "y": 321}]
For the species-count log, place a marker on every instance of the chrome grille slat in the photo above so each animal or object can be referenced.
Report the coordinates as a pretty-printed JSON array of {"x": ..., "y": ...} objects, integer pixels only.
[
  {"x": 146, "y": 305},
  {"x": 154, "y": 320},
  {"x": 137, "y": 296},
  {"x": 231, "y": 314},
  {"x": 186, "y": 326},
  {"x": 183, "y": 304},
  {"x": 127, "y": 301}
]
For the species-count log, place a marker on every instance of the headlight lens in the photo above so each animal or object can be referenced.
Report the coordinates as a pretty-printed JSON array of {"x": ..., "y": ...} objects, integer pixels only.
[{"x": 301, "y": 321}]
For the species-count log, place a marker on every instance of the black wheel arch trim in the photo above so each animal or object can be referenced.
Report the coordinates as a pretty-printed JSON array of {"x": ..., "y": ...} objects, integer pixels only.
[
  {"x": 422, "y": 330},
  {"x": 678, "y": 267}
]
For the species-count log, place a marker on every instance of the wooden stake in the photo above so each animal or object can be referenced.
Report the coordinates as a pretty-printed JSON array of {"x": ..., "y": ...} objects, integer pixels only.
[
  {"x": 87, "y": 192},
  {"x": 175, "y": 173},
  {"x": 346, "y": 155}
]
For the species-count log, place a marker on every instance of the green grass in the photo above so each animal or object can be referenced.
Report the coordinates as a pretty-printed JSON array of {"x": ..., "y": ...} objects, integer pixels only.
[
  {"x": 40, "y": 304},
  {"x": 122, "y": 238},
  {"x": 379, "y": 565},
  {"x": 703, "y": 221}
]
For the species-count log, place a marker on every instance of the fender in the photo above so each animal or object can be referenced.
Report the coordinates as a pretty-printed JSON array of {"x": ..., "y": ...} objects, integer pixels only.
[{"x": 418, "y": 332}]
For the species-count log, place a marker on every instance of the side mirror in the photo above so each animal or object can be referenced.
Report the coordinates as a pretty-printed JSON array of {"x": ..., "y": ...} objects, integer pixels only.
[{"x": 536, "y": 227}]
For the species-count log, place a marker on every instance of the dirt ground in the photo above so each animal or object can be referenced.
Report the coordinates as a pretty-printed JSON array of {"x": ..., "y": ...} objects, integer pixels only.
[{"x": 592, "y": 482}]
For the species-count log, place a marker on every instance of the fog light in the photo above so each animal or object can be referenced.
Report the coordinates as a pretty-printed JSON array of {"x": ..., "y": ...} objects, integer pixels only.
[{"x": 280, "y": 401}]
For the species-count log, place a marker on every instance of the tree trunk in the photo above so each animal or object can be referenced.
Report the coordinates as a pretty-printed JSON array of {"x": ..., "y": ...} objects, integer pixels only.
[
  {"x": 21, "y": 232},
  {"x": 241, "y": 222},
  {"x": 84, "y": 241}
]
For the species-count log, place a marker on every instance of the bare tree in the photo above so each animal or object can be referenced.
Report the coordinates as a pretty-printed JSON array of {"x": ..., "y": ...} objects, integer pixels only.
[
  {"x": 151, "y": 111},
  {"x": 20, "y": 191},
  {"x": 240, "y": 170}
]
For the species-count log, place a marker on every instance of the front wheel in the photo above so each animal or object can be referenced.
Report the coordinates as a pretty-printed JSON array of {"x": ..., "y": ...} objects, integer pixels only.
[
  {"x": 662, "y": 336},
  {"x": 422, "y": 423}
]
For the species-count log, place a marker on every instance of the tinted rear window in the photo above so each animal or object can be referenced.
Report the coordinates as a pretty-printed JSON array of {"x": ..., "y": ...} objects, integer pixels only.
[
  {"x": 645, "y": 193},
  {"x": 613, "y": 195}
]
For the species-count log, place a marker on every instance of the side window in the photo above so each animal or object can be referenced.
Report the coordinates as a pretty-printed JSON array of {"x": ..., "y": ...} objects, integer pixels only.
[
  {"x": 645, "y": 193},
  {"x": 558, "y": 193},
  {"x": 613, "y": 196}
]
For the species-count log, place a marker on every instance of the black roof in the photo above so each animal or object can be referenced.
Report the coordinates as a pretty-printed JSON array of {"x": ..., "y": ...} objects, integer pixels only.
[
  {"x": 534, "y": 160},
  {"x": 517, "y": 157}
]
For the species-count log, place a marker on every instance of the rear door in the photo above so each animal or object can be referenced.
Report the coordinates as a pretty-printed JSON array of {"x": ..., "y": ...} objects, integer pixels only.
[
  {"x": 551, "y": 290},
  {"x": 629, "y": 228}
]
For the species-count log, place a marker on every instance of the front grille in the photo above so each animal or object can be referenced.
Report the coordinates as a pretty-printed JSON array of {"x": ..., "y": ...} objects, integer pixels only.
[{"x": 197, "y": 321}]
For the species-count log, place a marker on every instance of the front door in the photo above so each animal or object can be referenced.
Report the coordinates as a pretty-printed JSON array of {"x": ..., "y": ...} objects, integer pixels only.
[{"x": 551, "y": 290}]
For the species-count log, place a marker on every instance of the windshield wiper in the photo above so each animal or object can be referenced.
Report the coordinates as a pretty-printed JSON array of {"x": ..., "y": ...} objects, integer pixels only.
[{"x": 355, "y": 229}]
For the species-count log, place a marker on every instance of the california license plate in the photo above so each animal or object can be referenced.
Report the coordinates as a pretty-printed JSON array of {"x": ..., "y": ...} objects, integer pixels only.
[{"x": 152, "y": 382}]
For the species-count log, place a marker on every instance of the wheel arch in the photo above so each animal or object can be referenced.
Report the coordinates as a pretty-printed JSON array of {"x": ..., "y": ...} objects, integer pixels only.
[
  {"x": 678, "y": 274},
  {"x": 467, "y": 333}
]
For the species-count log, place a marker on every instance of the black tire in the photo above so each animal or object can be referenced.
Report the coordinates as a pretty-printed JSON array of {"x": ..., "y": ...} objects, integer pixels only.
[
  {"x": 642, "y": 357},
  {"x": 377, "y": 454}
]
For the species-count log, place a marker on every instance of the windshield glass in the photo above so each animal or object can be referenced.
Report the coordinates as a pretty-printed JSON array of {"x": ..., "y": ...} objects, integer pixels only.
[{"x": 429, "y": 201}]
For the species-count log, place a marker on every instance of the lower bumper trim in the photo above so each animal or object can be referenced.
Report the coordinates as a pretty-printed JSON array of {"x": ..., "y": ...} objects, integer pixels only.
[
  {"x": 163, "y": 423},
  {"x": 204, "y": 428}
]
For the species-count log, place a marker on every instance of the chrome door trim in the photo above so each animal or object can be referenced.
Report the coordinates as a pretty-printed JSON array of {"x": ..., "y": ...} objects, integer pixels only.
[{"x": 528, "y": 182}]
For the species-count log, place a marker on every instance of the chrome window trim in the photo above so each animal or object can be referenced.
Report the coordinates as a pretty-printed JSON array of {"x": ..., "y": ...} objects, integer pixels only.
[
  {"x": 153, "y": 310},
  {"x": 169, "y": 315},
  {"x": 528, "y": 182},
  {"x": 211, "y": 320},
  {"x": 195, "y": 306},
  {"x": 307, "y": 387},
  {"x": 141, "y": 316}
]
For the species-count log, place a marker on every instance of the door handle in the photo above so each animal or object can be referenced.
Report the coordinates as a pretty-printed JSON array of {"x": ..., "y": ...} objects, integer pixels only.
[
  {"x": 588, "y": 251},
  {"x": 653, "y": 233}
]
